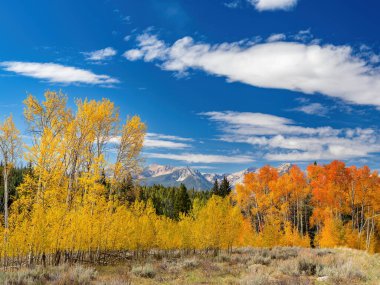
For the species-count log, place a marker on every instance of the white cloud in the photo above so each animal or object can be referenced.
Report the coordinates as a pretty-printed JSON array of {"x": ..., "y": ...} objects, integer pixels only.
[
  {"x": 232, "y": 4},
  {"x": 283, "y": 140},
  {"x": 57, "y": 73},
  {"x": 127, "y": 19},
  {"x": 155, "y": 143},
  {"x": 304, "y": 36},
  {"x": 247, "y": 124},
  {"x": 154, "y": 140},
  {"x": 276, "y": 38},
  {"x": 270, "y": 5},
  {"x": 313, "y": 109},
  {"x": 168, "y": 137},
  {"x": 99, "y": 55},
  {"x": 335, "y": 71},
  {"x": 201, "y": 158},
  {"x": 203, "y": 167},
  {"x": 150, "y": 48},
  {"x": 133, "y": 54}
]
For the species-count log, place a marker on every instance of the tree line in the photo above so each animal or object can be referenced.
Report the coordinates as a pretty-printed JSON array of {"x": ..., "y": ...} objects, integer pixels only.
[
  {"x": 333, "y": 205},
  {"x": 78, "y": 201}
]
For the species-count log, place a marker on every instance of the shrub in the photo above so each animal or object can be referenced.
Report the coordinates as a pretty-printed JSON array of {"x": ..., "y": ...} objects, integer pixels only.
[
  {"x": 259, "y": 259},
  {"x": 190, "y": 263},
  {"x": 243, "y": 250},
  {"x": 81, "y": 275},
  {"x": 289, "y": 267},
  {"x": 323, "y": 251},
  {"x": 307, "y": 266},
  {"x": 284, "y": 253},
  {"x": 26, "y": 276},
  {"x": 239, "y": 259},
  {"x": 344, "y": 271},
  {"x": 78, "y": 275},
  {"x": 224, "y": 258},
  {"x": 262, "y": 252},
  {"x": 257, "y": 279},
  {"x": 145, "y": 271}
]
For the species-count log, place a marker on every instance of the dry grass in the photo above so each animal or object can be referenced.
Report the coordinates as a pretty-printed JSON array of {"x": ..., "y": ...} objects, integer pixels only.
[
  {"x": 61, "y": 275},
  {"x": 277, "y": 266}
]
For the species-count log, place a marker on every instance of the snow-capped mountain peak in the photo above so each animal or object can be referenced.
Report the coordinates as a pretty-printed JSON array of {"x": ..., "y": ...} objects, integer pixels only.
[
  {"x": 284, "y": 168},
  {"x": 155, "y": 170},
  {"x": 193, "y": 179},
  {"x": 186, "y": 172},
  {"x": 174, "y": 176}
]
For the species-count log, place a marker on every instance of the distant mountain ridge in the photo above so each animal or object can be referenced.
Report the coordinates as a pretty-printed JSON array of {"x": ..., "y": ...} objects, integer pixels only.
[{"x": 170, "y": 176}]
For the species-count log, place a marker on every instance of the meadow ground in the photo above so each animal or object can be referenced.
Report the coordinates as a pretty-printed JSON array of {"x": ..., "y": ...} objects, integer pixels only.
[{"x": 277, "y": 266}]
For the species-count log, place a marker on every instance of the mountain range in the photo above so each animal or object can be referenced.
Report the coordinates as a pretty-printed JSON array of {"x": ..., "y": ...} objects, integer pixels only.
[{"x": 192, "y": 178}]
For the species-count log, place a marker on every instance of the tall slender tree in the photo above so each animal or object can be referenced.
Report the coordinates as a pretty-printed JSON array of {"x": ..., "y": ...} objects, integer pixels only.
[
  {"x": 182, "y": 203},
  {"x": 225, "y": 187},
  {"x": 9, "y": 149},
  {"x": 215, "y": 188}
]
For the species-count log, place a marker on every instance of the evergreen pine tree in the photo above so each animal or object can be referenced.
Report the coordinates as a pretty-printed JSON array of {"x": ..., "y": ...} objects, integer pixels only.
[
  {"x": 126, "y": 189},
  {"x": 182, "y": 203},
  {"x": 225, "y": 187},
  {"x": 215, "y": 188}
]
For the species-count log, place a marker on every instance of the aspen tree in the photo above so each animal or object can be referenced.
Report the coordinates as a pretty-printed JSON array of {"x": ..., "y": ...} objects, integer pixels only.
[
  {"x": 10, "y": 150},
  {"x": 128, "y": 149}
]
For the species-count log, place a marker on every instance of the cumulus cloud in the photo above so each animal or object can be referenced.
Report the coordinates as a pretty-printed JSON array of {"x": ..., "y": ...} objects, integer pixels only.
[
  {"x": 270, "y": 5},
  {"x": 336, "y": 71},
  {"x": 57, "y": 73},
  {"x": 283, "y": 140},
  {"x": 201, "y": 158},
  {"x": 149, "y": 48},
  {"x": 99, "y": 55}
]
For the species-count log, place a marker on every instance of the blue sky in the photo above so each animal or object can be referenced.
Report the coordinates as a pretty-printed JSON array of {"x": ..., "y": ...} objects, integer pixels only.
[{"x": 222, "y": 85}]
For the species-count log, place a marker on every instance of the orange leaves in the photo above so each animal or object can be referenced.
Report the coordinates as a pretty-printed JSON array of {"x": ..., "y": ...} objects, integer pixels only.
[
  {"x": 272, "y": 202},
  {"x": 345, "y": 201},
  {"x": 340, "y": 204}
]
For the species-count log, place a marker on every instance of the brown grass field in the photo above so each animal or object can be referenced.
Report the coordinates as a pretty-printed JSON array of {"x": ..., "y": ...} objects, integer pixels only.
[{"x": 277, "y": 266}]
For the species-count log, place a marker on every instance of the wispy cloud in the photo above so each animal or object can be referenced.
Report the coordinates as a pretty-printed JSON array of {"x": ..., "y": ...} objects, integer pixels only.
[
  {"x": 313, "y": 109},
  {"x": 201, "y": 158},
  {"x": 127, "y": 38},
  {"x": 336, "y": 71},
  {"x": 155, "y": 143},
  {"x": 276, "y": 38},
  {"x": 233, "y": 4},
  {"x": 203, "y": 167},
  {"x": 57, "y": 73},
  {"x": 270, "y": 5},
  {"x": 282, "y": 139},
  {"x": 154, "y": 140},
  {"x": 161, "y": 141},
  {"x": 101, "y": 54},
  {"x": 169, "y": 137}
]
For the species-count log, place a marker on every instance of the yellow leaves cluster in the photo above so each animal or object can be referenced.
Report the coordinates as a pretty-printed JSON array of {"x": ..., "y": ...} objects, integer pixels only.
[{"x": 102, "y": 226}]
